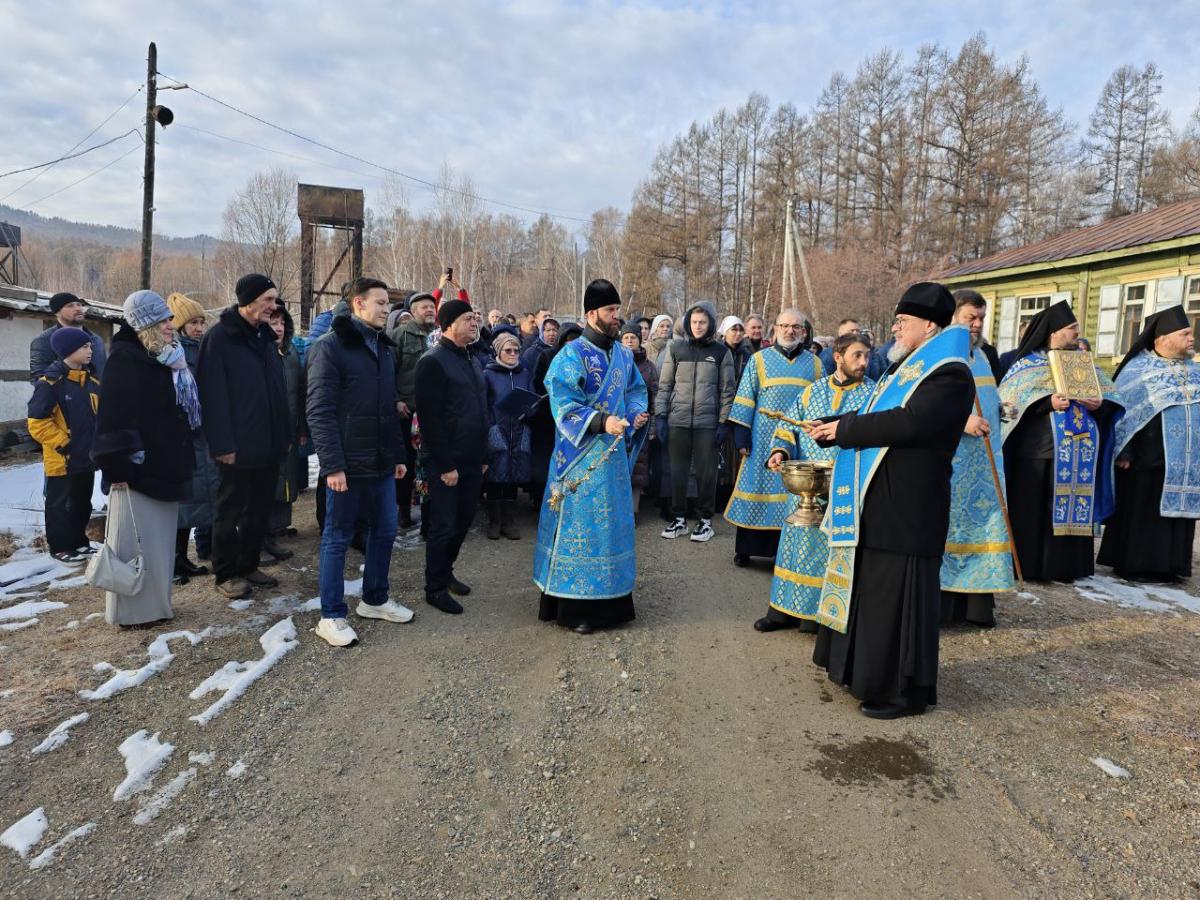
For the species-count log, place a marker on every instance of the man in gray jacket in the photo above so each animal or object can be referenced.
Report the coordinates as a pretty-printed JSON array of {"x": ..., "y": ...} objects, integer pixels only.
[{"x": 695, "y": 393}]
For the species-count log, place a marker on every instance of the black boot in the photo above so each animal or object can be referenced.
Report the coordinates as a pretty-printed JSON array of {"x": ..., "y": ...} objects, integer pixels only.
[
  {"x": 183, "y": 565},
  {"x": 280, "y": 553},
  {"x": 494, "y": 524},
  {"x": 508, "y": 520}
]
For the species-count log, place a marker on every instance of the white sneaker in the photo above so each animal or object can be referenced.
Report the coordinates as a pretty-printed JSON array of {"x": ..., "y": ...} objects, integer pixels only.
[
  {"x": 703, "y": 531},
  {"x": 390, "y": 611},
  {"x": 336, "y": 632},
  {"x": 675, "y": 529}
]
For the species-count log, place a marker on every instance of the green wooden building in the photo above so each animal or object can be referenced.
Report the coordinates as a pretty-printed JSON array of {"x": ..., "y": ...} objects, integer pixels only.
[{"x": 1113, "y": 274}]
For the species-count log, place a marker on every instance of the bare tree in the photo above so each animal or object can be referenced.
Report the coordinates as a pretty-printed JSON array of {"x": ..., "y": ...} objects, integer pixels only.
[{"x": 259, "y": 232}]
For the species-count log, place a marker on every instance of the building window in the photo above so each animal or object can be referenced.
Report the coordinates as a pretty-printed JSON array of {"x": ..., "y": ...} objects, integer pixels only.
[
  {"x": 1132, "y": 307},
  {"x": 1191, "y": 301},
  {"x": 1030, "y": 307}
]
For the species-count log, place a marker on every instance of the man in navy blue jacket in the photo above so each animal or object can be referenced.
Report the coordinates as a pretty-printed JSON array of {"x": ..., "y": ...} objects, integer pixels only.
[{"x": 355, "y": 428}]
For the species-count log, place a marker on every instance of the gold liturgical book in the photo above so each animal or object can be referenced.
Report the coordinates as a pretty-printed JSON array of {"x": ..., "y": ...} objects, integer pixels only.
[{"x": 1074, "y": 375}]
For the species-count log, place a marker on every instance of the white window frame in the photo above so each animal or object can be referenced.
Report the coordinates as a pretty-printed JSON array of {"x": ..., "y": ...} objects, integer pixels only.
[
  {"x": 1125, "y": 336},
  {"x": 1025, "y": 313},
  {"x": 1191, "y": 300}
]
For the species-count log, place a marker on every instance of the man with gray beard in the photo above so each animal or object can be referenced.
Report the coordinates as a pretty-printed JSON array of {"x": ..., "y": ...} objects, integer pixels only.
[{"x": 889, "y": 513}]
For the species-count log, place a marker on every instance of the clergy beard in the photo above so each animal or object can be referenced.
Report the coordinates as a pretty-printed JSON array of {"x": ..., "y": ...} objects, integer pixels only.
[
  {"x": 976, "y": 341},
  {"x": 788, "y": 345},
  {"x": 898, "y": 353}
]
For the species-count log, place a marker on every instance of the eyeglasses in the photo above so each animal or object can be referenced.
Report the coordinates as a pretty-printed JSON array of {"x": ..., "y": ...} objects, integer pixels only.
[{"x": 785, "y": 327}]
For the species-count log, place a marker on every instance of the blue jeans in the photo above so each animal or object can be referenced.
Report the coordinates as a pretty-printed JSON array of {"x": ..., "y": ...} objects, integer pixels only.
[{"x": 373, "y": 501}]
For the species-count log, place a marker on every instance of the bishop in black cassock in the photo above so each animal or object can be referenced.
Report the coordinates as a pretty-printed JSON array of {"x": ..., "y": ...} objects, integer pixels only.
[{"x": 888, "y": 655}]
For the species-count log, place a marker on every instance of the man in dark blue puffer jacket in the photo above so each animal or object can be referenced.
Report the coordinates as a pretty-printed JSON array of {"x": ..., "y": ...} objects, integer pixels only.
[{"x": 355, "y": 428}]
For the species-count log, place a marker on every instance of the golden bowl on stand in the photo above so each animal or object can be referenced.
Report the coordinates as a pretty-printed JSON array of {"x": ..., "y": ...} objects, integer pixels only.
[{"x": 809, "y": 480}]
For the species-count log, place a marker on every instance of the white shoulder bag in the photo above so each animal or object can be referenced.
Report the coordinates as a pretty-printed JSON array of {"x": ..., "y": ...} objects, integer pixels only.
[{"x": 109, "y": 572}]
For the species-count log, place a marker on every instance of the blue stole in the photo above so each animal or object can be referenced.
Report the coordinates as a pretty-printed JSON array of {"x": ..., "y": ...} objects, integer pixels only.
[
  {"x": 1083, "y": 490},
  {"x": 854, "y": 469},
  {"x": 1151, "y": 385},
  {"x": 604, "y": 385}
]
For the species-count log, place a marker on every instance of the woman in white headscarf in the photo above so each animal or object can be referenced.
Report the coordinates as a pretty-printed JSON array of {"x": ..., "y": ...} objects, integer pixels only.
[{"x": 660, "y": 336}]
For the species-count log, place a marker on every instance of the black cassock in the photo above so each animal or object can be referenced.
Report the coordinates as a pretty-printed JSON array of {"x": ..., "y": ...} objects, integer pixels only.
[
  {"x": 1138, "y": 542},
  {"x": 1029, "y": 481},
  {"x": 889, "y": 653}
]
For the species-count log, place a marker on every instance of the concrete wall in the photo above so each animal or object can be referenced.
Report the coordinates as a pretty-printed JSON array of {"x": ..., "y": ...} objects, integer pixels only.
[{"x": 15, "y": 335}]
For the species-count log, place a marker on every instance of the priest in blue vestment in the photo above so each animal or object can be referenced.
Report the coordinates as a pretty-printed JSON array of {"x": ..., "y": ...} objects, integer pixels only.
[
  {"x": 1149, "y": 536},
  {"x": 585, "y": 563}
]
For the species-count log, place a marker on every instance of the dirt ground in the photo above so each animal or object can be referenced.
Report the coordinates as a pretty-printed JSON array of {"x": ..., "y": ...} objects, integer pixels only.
[{"x": 490, "y": 755}]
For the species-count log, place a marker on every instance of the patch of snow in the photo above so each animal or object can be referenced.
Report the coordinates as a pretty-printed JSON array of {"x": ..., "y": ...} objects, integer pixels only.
[
  {"x": 204, "y": 759},
  {"x": 1146, "y": 597},
  {"x": 6, "y": 738},
  {"x": 124, "y": 679},
  {"x": 1111, "y": 768},
  {"x": 144, "y": 756},
  {"x": 173, "y": 835},
  {"x": 352, "y": 589},
  {"x": 7, "y": 692},
  {"x": 240, "y": 604},
  {"x": 59, "y": 734},
  {"x": 234, "y": 678},
  {"x": 22, "y": 834},
  {"x": 22, "y": 505},
  {"x": 47, "y": 856},
  {"x": 162, "y": 799},
  {"x": 18, "y": 626},
  {"x": 64, "y": 583},
  {"x": 74, "y": 623},
  {"x": 237, "y": 770},
  {"x": 16, "y": 570},
  {"x": 91, "y": 616},
  {"x": 29, "y": 609}
]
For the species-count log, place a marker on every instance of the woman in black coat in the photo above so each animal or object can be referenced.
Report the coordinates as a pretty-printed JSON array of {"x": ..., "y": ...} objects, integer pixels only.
[
  {"x": 149, "y": 406},
  {"x": 542, "y": 422}
]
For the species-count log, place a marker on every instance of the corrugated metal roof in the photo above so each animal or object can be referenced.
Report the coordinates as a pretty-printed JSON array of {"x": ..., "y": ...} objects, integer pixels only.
[
  {"x": 1177, "y": 220},
  {"x": 38, "y": 302}
]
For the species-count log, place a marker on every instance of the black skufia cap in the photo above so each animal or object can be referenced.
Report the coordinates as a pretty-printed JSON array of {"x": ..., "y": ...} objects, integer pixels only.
[{"x": 928, "y": 300}]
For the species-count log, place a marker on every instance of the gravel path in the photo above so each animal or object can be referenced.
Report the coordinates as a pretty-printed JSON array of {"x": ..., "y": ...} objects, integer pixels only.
[{"x": 490, "y": 755}]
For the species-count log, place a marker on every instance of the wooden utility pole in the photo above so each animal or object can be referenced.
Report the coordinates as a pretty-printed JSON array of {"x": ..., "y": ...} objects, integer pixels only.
[
  {"x": 148, "y": 173},
  {"x": 792, "y": 250}
]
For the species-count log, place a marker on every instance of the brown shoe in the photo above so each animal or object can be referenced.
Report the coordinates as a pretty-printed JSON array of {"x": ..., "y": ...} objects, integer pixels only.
[
  {"x": 259, "y": 578},
  {"x": 234, "y": 588}
]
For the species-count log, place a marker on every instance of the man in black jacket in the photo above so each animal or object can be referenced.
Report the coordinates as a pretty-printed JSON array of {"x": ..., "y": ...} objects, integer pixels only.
[
  {"x": 411, "y": 340},
  {"x": 355, "y": 427},
  {"x": 888, "y": 656},
  {"x": 244, "y": 398},
  {"x": 452, "y": 409},
  {"x": 69, "y": 312}
]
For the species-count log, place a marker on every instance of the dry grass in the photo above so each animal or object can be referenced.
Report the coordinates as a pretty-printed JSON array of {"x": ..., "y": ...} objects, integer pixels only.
[{"x": 8, "y": 545}]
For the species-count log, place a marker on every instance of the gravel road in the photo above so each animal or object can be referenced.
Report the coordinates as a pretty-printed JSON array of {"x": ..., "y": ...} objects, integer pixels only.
[{"x": 490, "y": 755}]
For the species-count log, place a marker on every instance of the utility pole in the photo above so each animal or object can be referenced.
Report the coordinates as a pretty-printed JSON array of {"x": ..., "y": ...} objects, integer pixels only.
[
  {"x": 148, "y": 173},
  {"x": 164, "y": 117}
]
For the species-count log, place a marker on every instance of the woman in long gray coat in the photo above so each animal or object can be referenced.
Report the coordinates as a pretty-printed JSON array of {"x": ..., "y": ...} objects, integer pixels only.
[
  {"x": 149, "y": 407},
  {"x": 190, "y": 323}
]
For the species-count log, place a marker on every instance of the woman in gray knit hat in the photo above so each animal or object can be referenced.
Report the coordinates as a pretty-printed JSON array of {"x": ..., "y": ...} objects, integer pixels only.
[{"x": 149, "y": 407}]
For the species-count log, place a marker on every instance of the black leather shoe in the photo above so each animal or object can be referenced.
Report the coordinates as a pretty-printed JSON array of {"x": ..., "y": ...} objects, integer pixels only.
[
  {"x": 889, "y": 710},
  {"x": 741, "y": 560},
  {"x": 184, "y": 566},
  {"x": 768, "y": 624},
  {"x": 269, "y": 546},
  {"x": 458, "y": 588},
  {"x": 443, "y": 601}
]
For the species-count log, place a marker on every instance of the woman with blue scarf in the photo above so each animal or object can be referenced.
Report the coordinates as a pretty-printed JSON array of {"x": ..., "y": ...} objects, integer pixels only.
[{"x": 143, "y": 446}]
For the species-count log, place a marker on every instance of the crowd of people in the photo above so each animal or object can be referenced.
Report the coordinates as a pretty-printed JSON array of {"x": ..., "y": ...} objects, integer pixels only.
[{"x": 954, "y": 472}]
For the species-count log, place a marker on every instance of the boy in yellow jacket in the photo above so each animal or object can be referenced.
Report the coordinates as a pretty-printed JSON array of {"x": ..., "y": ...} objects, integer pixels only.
[{"x": 62, "y": 418}]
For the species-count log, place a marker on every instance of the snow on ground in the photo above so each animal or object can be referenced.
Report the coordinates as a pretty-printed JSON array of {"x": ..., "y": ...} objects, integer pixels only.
[
  {"x": 160, "y": 658},
  {"x": 153, "y": 807},
  {"x": 29, "y": 609},
  {"x": 6, "y": 738},
  {"x": 22, "y": 506},
  {"x": 204, "y": 759},
  {"x": 1148, "y": 597},
  {"x": 18, "y": 626},
  {"x": 28, "y": 568},
  {"x": 23, "y": 834},
  {"x": 47, "y": 856},
  {"x": 173, "y": 835},
  {"x": 240, "y": 605},
  {"x": 234, "y": 678},
  {"x": 237, "y": 770},
  {"x": 144, "y": 756},
  {"x": 352, "y": 588},
  {"x": 291, "y": 604},
  {"x": 59, "y": 734}
]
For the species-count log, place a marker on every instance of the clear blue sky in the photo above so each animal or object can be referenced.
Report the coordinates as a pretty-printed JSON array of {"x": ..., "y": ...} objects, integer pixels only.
[{"x": 548, "y": 105}]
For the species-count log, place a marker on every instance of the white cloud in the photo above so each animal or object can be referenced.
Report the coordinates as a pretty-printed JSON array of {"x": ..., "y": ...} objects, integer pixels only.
[{"x": 551, "y": 105}]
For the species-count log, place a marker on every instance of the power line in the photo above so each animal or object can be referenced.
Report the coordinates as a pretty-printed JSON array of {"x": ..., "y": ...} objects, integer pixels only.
[
  {"x": 70, "y": 155},
  {"x": 91, "y": 174},
  {"x": 422, "y": 181},
  {"x": 46, "y": 169},
  {"x": 307, "y": 159}
]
